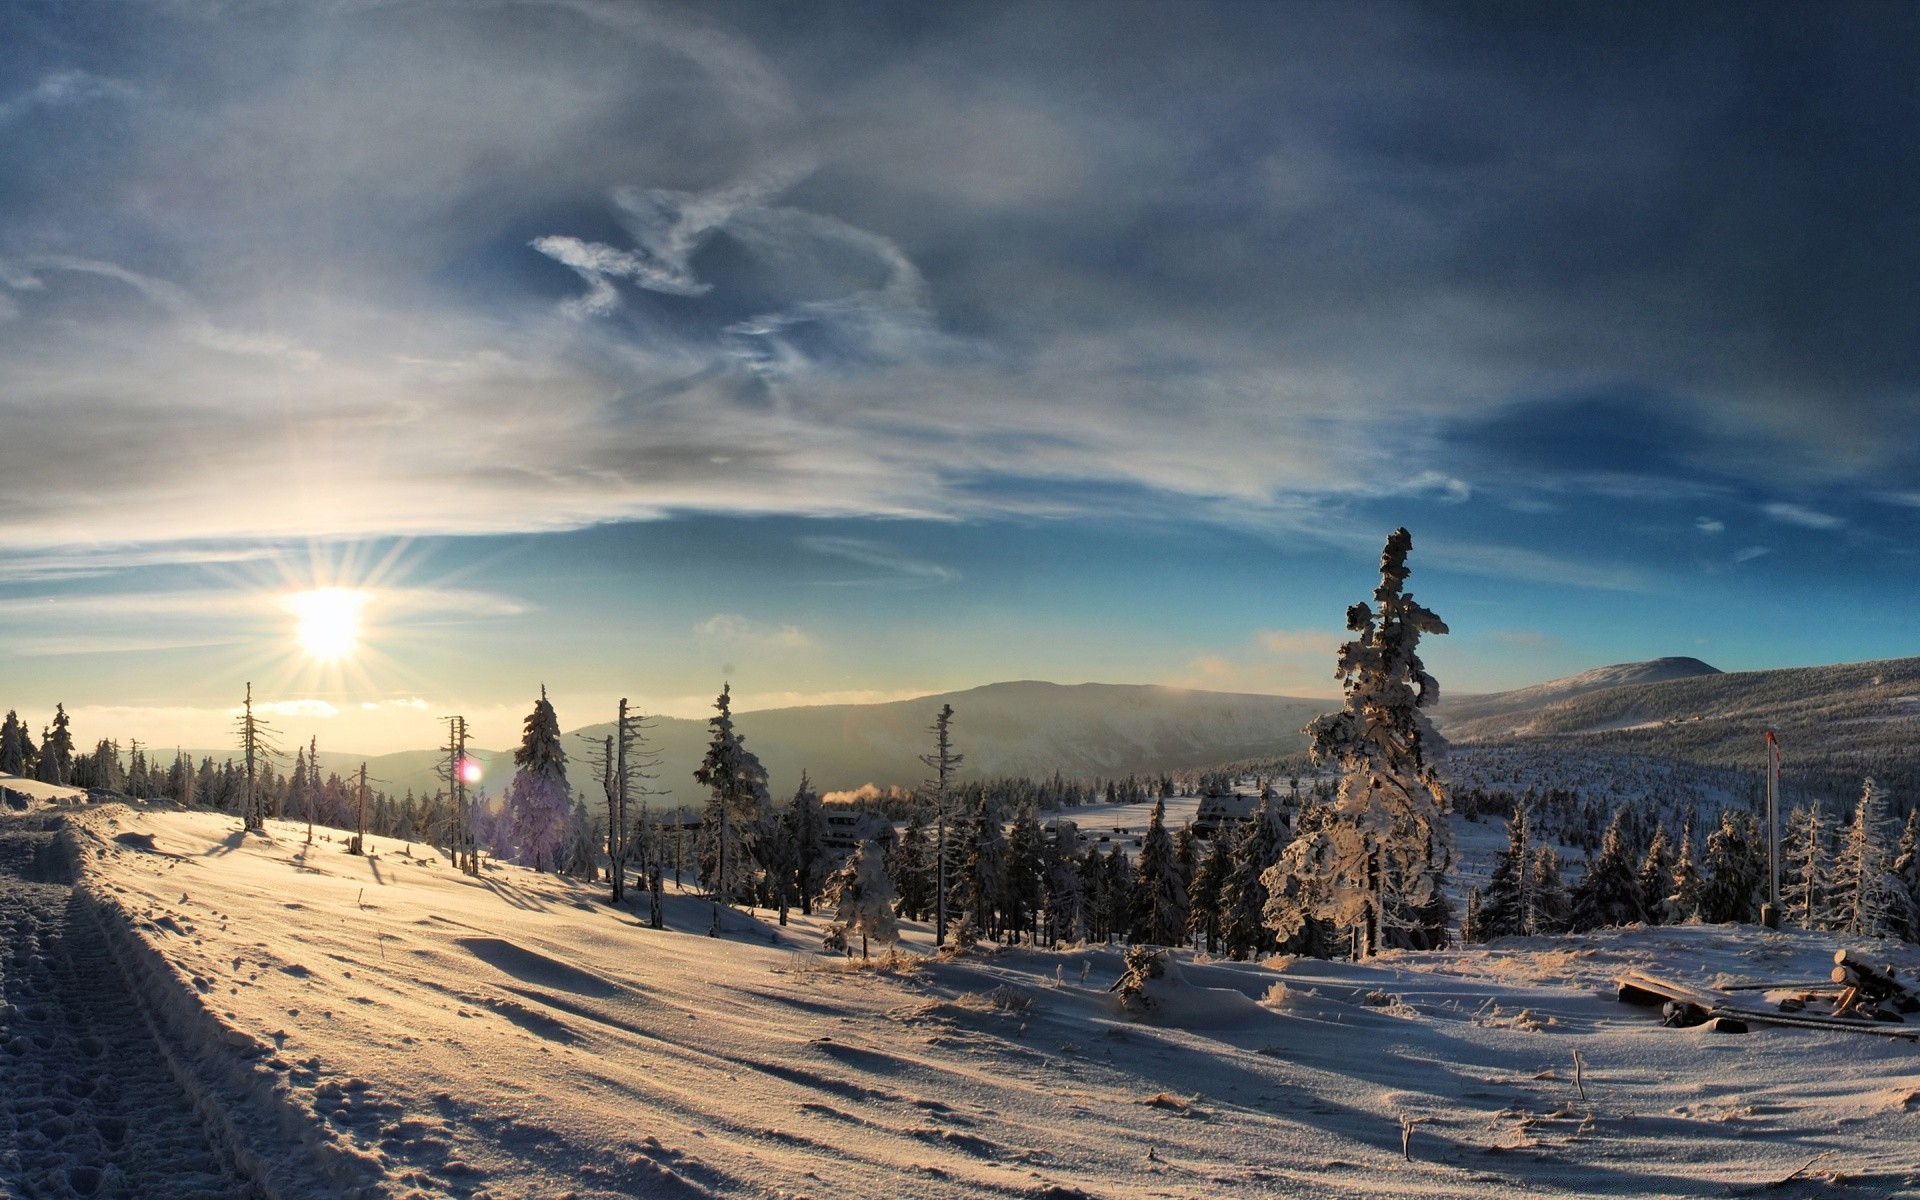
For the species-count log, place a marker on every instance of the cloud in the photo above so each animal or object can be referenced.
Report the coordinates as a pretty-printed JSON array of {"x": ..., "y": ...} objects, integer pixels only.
[
  {"x": 894, "y": 567},
  {"x": 1709, "y": 525},
  {"x": 734, "y": 629},
  {"x": 1805, "y": 518},
  {"x": 315, "y": 709},
  {"x": 466, "y": 269},
  {"x": 1749, "y": 553},
  {"x": 62, "y": 88}
]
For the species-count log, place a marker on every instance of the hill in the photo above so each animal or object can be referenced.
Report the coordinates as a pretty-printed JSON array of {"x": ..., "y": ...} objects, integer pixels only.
[
  {"x": 1836, "y": 724},
  {"x": 1020, "y": 728}
]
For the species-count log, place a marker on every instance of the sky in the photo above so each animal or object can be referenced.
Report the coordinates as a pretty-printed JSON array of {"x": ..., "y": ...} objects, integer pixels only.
[{"x": 862, "y": 351}]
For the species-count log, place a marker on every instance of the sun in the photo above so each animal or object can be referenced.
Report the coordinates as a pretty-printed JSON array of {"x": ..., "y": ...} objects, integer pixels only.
[{"x": 329, "y": 621}]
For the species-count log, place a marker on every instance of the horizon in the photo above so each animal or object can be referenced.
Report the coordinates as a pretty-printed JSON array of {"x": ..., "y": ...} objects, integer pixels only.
[{"x": 405, "y": 359}]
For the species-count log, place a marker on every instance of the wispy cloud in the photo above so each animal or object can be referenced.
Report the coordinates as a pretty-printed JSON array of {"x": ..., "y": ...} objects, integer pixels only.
[
  {"x": 1749, "y": 553},
  {"x": 1796, "y": 514},
  {"x": 1709, "y": 525},
  {"x": 62, "y": 88},
  {"x": 888, "y": 565},
  {"x": 736, "y": 630}
]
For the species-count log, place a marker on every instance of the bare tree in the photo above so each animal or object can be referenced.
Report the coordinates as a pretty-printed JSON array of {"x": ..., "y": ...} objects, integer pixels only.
[{"x": 943, "y": 761}]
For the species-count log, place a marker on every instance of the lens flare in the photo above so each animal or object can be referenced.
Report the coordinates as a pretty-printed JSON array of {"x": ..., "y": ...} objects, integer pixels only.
[
  {"x": 470, "y": 770},
  {"x": 328, "y": 625}
]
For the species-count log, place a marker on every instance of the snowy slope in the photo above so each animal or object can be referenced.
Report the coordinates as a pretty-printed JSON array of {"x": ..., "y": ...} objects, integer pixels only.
[
  {"x": 512, "y": 1036},
  {"x": 1485, "y": 712}
]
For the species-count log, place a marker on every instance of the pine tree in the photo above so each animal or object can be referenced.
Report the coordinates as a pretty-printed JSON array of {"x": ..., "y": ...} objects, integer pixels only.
[
  {"x": 1656, "y": 878},
  {"x": 1735, "y": 870},
  {"x": 1683, "y": 904},
  {"x": 1205, "y": 895},
  {"x": 863, "y": 898},
  {"x": 1906, "y": 870},
  {"x": 1384, "y": 851},
  {"x": 1246, "y": 912},
  {"x": 1609, "y": 893},
  {"x": 737, "y": 786},
  {"x": 1868, "y": 893},
  {"x": 912, "y": 867},
  {"x": 538, "y": 827},
  {"x": 1064, "y": 899},
  {"x": 981, "y": 877},
  {"x": 1025, "y": 878},
  {"x": 13, "y": 746},
  {"x": 46, "y": 766},
  {"x": 1552, "y": 908},
  {"x": 59, "y": 746},
  {"x": 1160, "y": 906},
  {"x": 1805, "y": 858},
  {"x": 1506, "y": 905},
  {"x": 583, "y": 855},
  {"x": 806, "y": 831}
]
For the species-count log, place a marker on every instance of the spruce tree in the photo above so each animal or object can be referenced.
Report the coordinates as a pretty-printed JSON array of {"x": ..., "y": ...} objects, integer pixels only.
[
  {"x": 737, "y": 792},
  {"x": 1247, "y": 928},
  {"x": 538, "y": 826},
  {"x": 1656, "y": 878},
  {"x": 1867, "y": 893},
  {"x": 981, "y": 876},
  {"x": 862, "y": 898},
  {"x": 59, "y": 745},
  {"x": 1506, "y": 905},
  {"x": 806, "y": 832},
  {"x": 1208, "y": 890},
  {"x": 1805, "y": 885},
  {"x": 1378, "y": 860},
  {"x": 1064, "y": 899},
  {"x": 1609, "y": 893},
  {"x": 1161, "y": 904},
  {"x": 1551, "y": 907},
  {"x": 13, "y": 746},
  {"x": 1683, "y": 903},
  {"x": 1906, "y": 871},
  {"x": 1735, "y": 870},
  {"x": 1024, "y": 888},
  {"x": 912, "y": 867}
]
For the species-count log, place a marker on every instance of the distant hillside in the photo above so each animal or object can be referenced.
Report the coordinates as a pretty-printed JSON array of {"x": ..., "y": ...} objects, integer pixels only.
[
  {"x": 1523, "y": 703},
  {"x": 1025, "y": 728},
  {"x": 1835, "y": 724}
]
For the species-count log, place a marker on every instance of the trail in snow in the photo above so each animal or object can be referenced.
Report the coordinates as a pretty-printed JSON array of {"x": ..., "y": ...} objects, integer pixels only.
[{"x": 87, "y": 1105}]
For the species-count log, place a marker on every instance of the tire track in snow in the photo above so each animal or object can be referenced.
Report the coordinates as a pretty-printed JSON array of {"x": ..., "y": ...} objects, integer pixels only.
[{"x": 88, "y": 1107}]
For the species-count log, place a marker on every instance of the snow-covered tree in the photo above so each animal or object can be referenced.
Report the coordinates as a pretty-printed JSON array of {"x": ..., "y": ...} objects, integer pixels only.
[
  {"x": 1063, "y": 900},
  {"x": 1023, "y": 889},
  {"x": 1735, "y": 881},
  {"x": 1384, "y": 851},
  {"x": 1161, "y": 904},
  {"x": 1683, "y": 903},
  {"x": 806, "y": 833},
  {"x": 1609, "y": 893},
  {"x": 1208, "y": 889},
  {"x": 537, "y": 827},
  {"x": 1506, "y": 904},
  {"x": 1806, "y": 883},
  {"x": 1906, "y": 869},
  {"x": 59, "y": 745},
  {"x": 13, "y": 745},
  {"x": 1656, "y": 878},
  {"x": 583, "y": 855},
  {"x": 1552, "y": 908},
  {"x": 862, "y": 898},
  {"x": 981, "y": 876},
  {"x": 1246, "y": 921},
  {"x": 737, "y": 791},
  {"x": 912, "y": 867},
  {"x": 1868, "y": 896}
]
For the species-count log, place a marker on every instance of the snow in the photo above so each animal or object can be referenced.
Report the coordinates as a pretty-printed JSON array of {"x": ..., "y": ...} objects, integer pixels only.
[
  {"x": 33, "y": 793},
  {"x": 425, "y": 1033}
]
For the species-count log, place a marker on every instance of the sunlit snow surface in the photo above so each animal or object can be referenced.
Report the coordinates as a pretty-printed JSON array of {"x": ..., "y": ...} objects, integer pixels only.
[{"x": 513, "y": 1036}]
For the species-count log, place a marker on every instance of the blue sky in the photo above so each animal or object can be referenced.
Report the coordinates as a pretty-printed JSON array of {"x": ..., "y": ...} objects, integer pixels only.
[{"x": 860, "y": 351}]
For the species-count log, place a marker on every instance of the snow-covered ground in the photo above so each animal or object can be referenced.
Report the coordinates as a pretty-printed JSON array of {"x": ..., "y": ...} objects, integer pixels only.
[{"x": 422, "y": 1033}]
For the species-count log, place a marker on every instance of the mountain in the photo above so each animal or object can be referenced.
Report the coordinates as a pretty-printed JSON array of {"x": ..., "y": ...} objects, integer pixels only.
[
  {"x": 1485, "y": 712},
  {"x": 1023, "y": 728},
  {"x": 1836, "y": 724}
]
